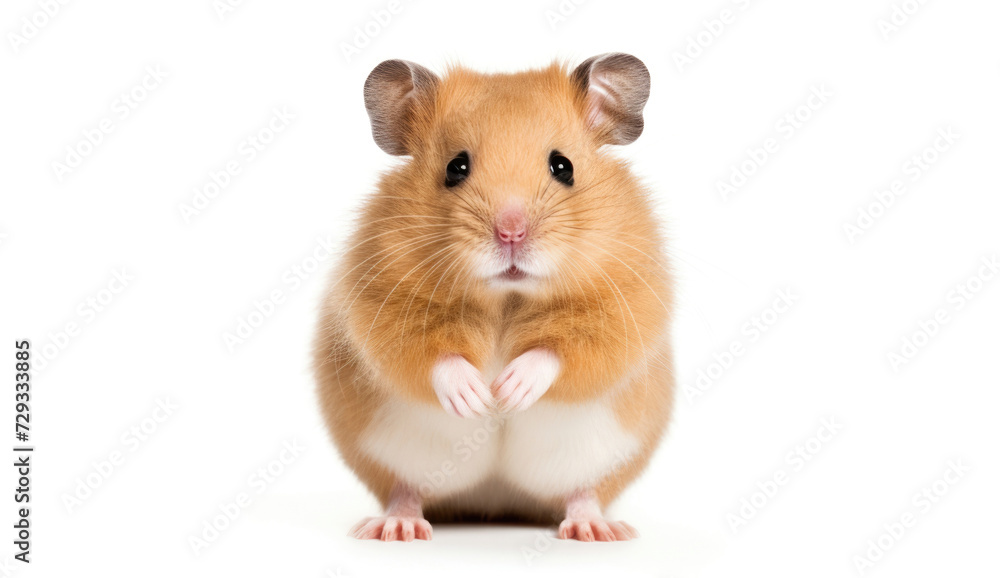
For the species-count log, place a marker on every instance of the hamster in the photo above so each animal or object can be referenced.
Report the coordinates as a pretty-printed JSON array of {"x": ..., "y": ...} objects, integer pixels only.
[{"x": 495, "y": 342}]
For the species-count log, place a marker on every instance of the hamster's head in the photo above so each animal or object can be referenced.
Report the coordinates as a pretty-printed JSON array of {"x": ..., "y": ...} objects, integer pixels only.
[{"x": 508, "y": 182}]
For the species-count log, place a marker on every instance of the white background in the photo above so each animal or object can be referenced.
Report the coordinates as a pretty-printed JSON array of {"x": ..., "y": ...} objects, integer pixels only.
[{"x": 827, "y": 357}]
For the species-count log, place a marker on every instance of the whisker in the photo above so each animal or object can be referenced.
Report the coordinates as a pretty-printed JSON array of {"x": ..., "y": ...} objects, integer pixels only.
[
  {"x": 391, "y": 291},
  {"x": 433, "y": 238}
]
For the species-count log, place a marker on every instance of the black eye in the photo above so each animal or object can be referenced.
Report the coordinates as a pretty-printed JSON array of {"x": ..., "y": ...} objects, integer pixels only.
[
  {"x": 457, "y": 170},
  {"x": 561, "y": 168}
]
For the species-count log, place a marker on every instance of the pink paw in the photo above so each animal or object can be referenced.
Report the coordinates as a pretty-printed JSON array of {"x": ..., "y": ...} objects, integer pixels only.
[
  {"x": 392, "y": 528},
  {"x": 525, "y": 379},
  {"x": 460, "y": 387},
  {"x": 589, "y": 530}
]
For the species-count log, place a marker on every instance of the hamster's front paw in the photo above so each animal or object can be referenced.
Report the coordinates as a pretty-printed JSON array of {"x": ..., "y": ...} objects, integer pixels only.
[
  {"x": 460, "y": 387},
  {"x": 526, "y": 379}
]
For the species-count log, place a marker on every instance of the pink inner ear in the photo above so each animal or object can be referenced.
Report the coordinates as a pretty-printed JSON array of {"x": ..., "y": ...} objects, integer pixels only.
[
  {"x": 598, "y": 95},
  {"x": 616, "y": 88}
]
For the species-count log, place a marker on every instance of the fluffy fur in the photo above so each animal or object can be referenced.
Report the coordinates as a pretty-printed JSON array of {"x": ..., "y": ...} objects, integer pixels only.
[{"x": 413, "y": 287}]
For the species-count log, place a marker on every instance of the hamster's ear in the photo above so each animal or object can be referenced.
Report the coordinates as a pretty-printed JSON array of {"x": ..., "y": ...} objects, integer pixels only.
[
  {"x": 615, "y": 87},
  {"x": 393, "y": 91}
]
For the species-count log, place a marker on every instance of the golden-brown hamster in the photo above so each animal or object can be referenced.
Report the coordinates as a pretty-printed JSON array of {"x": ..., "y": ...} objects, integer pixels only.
[{"x": 495, "y": 342}]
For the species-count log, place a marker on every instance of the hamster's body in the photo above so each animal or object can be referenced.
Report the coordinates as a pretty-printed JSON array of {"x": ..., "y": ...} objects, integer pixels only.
[
  {"x": 548, "y": 285},
  {"x": 521, "y": 466}
]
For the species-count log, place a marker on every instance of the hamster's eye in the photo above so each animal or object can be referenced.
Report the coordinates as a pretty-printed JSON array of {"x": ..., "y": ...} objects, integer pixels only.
[
  {"x": 562, "y": 169},
  {"x": 457, "y": 170}
]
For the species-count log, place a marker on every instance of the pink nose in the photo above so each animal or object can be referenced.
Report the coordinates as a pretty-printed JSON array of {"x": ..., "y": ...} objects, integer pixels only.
[{"x": 511, "y": 227}]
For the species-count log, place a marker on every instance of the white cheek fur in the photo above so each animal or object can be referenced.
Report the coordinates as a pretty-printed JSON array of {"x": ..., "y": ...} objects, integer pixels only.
[{"x": 490, "y": 261}]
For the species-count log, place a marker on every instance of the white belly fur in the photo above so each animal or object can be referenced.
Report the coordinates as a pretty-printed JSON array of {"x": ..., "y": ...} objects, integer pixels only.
[
  {"x": 552, "y": 449},
  {"x": 548, "y": 450}
]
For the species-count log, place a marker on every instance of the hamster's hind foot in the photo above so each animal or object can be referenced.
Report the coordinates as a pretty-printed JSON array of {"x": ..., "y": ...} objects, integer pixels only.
[
  {"x": 585, "y": 523},
  {"x": 599, "y": 529},
  {"x": 392, "y": 528},
  {"x": 403, "y": 520}
]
